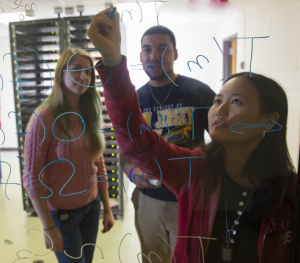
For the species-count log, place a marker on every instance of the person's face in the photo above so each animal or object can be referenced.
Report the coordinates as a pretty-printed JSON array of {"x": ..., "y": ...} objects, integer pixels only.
[
  {"x": 238, "y": 100},
  {"x": 152, "y": 50},
  {"x": 82, "y": 77}
]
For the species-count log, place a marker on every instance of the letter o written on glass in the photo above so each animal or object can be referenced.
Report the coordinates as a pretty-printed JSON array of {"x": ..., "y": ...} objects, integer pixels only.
[{"x": 72, "y": 139}]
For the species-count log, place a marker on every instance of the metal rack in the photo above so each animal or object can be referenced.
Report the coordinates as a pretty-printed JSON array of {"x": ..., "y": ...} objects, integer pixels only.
[{"x": 50, "y": 38}]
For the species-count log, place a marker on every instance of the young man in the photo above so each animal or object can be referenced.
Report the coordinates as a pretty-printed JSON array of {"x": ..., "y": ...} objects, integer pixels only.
[{"x": 168, "y": 107}]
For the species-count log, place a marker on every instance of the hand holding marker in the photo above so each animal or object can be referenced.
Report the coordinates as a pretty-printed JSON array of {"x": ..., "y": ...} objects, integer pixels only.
[
  {"x": 104, "y": 32},
  {"x": 112, "y": 13}
]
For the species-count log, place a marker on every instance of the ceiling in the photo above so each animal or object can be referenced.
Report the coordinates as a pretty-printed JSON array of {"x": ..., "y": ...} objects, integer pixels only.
[
  {"x": 176, "y": 12},
  {"x": 46, "y": 7}
]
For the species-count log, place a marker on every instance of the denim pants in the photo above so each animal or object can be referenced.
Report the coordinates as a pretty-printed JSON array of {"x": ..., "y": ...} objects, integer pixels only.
[{"x": 79, "y": 229}]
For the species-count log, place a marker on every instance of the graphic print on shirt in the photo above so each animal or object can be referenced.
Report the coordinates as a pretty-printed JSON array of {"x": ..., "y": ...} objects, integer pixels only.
[{"x": 179, "y": 121}]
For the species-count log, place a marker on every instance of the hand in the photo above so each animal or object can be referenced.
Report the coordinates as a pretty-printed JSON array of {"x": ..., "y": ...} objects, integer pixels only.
[
  {"x": 56, "y": 238},
  {"x": 106, "y": 36},
  {"x": 139, "y": 182},
  {"x": 108, "y": 221}
]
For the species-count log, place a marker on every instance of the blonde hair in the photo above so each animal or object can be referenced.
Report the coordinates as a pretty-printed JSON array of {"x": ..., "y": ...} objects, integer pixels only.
[{"x": 89, "y": 104}]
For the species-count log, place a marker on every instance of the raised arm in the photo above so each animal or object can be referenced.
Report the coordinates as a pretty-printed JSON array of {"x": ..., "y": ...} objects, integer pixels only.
[{"x": 148, "y": 150}]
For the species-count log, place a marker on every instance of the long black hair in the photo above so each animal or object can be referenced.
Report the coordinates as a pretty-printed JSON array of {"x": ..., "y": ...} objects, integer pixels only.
[{"x": 270, "y": 163}]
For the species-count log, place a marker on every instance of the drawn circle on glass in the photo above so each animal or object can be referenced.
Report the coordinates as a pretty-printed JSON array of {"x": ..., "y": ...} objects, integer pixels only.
[
  {"x": 108, "y": 61},
  {"x": 8, "y": 242},
  {"x": 22, "y": 16},
  {"x": 72, "y": 139}
]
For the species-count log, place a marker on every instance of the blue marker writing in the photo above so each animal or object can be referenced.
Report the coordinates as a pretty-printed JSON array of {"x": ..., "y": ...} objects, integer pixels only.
[
  {"x": 190, "y": 108},
  {"x": 101, "y": 176},
  {"x": 43, "y": 126},
  {"x": 128, "y": 12},
  {"x": 7, "y": 179},
  {"x": 28, "y": 175},
  {"x": 142, "y": 177},
  {"x": 224, "y": 60},
  {"x": 141, "y": 12},
  {"x": 257, "y": 126},
  {"x": 160, "y": 173},
  {"x": 112, "y": 13},
  {"x": 188, "y": 63},
  {"x": 155, "y": 7},
  {"x": 236, "y": 124},
  {"x": 3, "y": 136},
  {"x": 193, "y": 116},
  {"x": 150, "y": 69},
  {"x": 18, "y": 71},
  {"x": 58, "y": 160},
  {"x": 147, "y": 128},
  {"x": 48, "y": 68},
  {"x": 123, "y": 174},
  {"x": 107, "y": 61},
  {"x": 128, "y": 126},
  {"x": 162, "y": 58},
  {"x": 73, "y": 139},
  {"x": 111, "y": 129},
  {"x": 17, "y": 124},
  {"x": 2, "y": 82},
  {"x": 251, "y": 47},
  {"x": 190, "y": 161}
]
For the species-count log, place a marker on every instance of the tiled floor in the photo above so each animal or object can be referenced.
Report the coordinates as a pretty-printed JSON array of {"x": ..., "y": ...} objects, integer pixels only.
[{"x": 14, "y": 225}]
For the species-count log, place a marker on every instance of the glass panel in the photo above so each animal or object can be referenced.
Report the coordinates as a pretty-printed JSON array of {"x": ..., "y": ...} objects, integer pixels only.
[{"x": 191, "y": 137}]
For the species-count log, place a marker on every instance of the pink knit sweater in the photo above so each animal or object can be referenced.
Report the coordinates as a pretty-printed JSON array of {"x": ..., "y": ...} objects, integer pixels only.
[{"x": 56, "y": 175}]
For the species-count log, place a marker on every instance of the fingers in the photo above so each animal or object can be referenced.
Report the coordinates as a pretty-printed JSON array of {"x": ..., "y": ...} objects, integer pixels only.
[
  {"x": 57, "y": 241},
  {"x": 61, "y": 245},
  {"x": 102, "y": 21},
  {"x": 104, "y": 227},
  {"x": 109, "y": 226}
]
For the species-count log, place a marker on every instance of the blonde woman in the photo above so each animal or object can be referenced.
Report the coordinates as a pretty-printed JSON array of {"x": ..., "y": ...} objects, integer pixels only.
[{"x": 64, "y": 160}]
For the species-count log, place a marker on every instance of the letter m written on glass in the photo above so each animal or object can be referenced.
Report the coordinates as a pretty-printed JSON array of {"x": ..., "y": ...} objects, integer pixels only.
[{"x": 147, "y": 128}]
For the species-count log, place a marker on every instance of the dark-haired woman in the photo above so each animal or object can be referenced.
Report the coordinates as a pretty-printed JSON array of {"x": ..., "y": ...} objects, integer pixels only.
[{"x": 236, "y": 194}]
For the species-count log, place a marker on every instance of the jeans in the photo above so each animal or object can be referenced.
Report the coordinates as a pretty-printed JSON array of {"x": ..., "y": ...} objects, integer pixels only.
[{"x": 79, "y": 229}]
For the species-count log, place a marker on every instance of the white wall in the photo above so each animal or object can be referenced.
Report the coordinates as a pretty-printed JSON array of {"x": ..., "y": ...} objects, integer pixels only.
[
  {"x": 278, "y": 56},
  {"x": 7, "y": 104},
  {"x": 231, "y": 26},
  {"x": 194, "y": 28},
  {"x": 191, "y": 41}
]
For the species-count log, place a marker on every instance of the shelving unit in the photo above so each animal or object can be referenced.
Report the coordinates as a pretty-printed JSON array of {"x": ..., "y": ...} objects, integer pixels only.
[{"x": 50, "y": 38}]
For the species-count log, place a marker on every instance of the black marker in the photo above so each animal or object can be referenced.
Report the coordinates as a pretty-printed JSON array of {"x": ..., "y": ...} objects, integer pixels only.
[{"x": 112, "y": 13}]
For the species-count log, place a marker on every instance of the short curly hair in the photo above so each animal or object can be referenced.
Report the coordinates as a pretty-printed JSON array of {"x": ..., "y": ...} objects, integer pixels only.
[{"x": 160, "y": 30}]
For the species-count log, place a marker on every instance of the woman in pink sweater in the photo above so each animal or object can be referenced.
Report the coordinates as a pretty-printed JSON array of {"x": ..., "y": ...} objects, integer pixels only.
[
  {"x": 65, "y": 162},
  {"x": 236, "y": 194}
]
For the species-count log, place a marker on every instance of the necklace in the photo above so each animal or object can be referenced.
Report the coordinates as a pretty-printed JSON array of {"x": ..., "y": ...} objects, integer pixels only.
[
  {"x": 226, "y": 250},
  {"x": 160, "y": 104}
]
